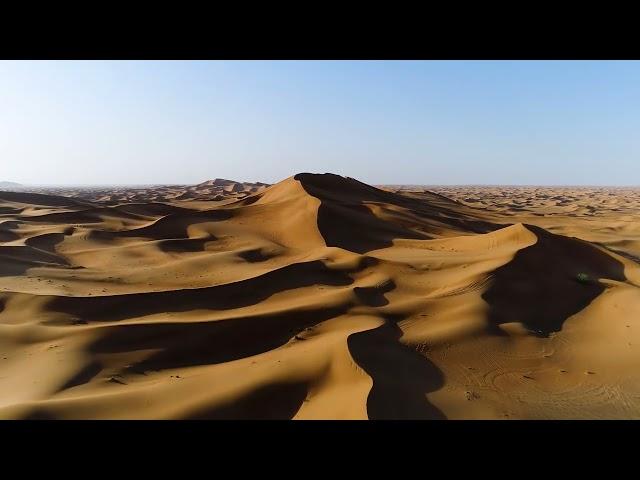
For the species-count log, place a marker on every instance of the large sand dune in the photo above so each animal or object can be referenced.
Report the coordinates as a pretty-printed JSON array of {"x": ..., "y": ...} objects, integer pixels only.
[{"x": 319, "y": 297}]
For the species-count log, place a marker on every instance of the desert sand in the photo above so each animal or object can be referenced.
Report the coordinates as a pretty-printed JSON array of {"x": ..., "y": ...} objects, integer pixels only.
[{"x": 320, "y": 297}]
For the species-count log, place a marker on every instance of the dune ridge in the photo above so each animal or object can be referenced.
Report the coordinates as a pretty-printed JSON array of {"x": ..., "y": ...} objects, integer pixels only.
[{"x": 319, "y": 297}]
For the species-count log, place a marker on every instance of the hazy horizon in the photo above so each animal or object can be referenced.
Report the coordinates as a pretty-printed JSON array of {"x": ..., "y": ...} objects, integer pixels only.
[
  {"x": 142, "y": 185},
  {"x": 449, "y": 123}
]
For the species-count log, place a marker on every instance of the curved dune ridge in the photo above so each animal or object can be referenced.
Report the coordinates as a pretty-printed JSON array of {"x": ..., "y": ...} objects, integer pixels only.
[{"x": 319, "y": 297}]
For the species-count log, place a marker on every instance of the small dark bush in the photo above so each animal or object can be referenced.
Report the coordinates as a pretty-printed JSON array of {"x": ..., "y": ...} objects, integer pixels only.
[{"x": 583, "y": 278}]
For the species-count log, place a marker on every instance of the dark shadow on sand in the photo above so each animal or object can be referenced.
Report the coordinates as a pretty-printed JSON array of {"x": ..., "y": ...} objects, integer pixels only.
[
  {"x": 16, "y": 260},
  {"x": 346, "y": 222},
  {"x": 222, "y": 297},
  {"x": 85, "y": 375},
  {"x": 46, "y": 242},
  {"x": 185, "y": 245},
  {"x": 6, "y": 231},
  {"x": 206, "y": 343},
  {"x": 254, "y": 256},
  {"x": 175, "y": 226},
  {"x": 279, "y": 401},
  {"x": 540, "y": 286},
  {"x": 401, "y": 376},
  {"x": 374, "y": 296}
]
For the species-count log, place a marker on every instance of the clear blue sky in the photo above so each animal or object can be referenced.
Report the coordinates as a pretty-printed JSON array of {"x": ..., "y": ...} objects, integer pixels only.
[{"x": 427, "y": 122}]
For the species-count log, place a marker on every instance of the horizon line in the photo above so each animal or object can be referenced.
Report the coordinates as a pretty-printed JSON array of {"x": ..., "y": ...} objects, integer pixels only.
[{"x": 161, "y": 184}]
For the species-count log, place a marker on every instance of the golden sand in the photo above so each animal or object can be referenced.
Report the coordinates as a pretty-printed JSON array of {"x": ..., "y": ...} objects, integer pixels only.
[{"x": 320, "y": 297}]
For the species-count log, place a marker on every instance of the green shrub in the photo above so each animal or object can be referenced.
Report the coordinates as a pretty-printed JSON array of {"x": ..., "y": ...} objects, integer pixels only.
[{"x": 583, "y": 278}]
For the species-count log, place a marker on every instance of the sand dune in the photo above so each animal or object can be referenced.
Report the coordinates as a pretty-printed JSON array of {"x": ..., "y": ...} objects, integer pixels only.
[
  {"x": 211, "y": 190},
  {"x": 319, "y": 297}
]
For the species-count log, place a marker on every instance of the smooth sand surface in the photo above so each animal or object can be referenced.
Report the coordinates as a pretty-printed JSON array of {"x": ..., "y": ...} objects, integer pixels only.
[{"x": 319, "y": 297}]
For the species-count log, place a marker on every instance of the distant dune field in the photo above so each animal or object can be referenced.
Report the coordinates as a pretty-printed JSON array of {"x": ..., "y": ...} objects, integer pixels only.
[{"x": 319, "y": 297}]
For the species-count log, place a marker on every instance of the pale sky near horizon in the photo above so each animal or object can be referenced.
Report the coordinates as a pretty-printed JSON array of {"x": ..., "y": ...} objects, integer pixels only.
[{"x": 382, "y": 122}]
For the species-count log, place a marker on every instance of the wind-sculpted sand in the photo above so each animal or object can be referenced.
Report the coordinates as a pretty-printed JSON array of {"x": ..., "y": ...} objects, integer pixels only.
[{"x": 319, "y": 297}]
